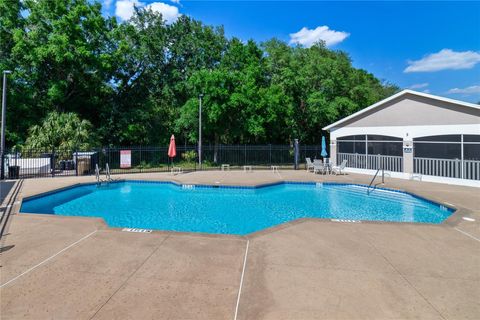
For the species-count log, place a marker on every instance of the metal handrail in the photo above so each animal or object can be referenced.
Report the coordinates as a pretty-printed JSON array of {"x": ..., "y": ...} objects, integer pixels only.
[
  {"x": 97, "y": 174},
  {"x": 373, "y": 179},
  {"x": 107, "y": 172}
]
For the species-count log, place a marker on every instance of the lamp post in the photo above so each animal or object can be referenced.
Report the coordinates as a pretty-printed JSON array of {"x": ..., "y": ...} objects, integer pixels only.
[
  {"x": 4, "y": 111},
  {"x": 200, "y": 96}
]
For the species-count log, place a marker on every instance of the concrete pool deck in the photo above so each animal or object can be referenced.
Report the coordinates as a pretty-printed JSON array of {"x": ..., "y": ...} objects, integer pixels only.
[{"x": 79, "y": 268}]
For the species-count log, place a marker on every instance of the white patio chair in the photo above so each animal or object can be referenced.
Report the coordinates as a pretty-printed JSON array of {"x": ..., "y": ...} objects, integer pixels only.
[
  {"x": 309, "y": 164},
  {"x": 340, "y": 168},
  {"x": 318, "y": 167}
]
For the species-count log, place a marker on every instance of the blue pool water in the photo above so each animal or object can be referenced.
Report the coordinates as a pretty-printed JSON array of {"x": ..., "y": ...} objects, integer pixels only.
[{"x": 166, "y": 206}]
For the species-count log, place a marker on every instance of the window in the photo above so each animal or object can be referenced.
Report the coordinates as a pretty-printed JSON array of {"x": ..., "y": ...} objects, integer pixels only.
[
  {"x": 471, "y": 151},
  {"x": 375, "y": 137},
  {"x": 471, "y": 147},
  {"x": 389, "y": 148},
  {"x": 438, "y": 150},
  {"x": 448, "y": 147},
  {"x": 443, "y": 138},
  {"x": 352, "y": 138},
  {"x": 377, "y": 144}
]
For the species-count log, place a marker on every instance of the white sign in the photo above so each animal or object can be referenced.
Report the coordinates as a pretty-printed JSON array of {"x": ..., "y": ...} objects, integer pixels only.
[{"x": 125, "y": 158}]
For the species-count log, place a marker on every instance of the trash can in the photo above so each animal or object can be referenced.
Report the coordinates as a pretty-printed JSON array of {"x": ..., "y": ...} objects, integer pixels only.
[
  {"x": 13, "y": 172},
  {"x": 62, "y": 164},
  {"x": 83, "y": 166}
]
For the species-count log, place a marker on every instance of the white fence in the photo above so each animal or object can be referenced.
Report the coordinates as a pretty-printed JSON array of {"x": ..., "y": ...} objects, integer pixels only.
[
  {"x": 450, "y": 168},
  {"x": 373, "y": 162}
]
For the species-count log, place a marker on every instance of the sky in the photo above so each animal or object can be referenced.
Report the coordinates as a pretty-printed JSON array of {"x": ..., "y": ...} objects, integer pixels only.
[{"x": 432, "y": 47}]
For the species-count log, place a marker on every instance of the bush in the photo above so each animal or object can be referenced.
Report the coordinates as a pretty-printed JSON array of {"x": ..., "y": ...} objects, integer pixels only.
[{"x": 189, "y": 156}]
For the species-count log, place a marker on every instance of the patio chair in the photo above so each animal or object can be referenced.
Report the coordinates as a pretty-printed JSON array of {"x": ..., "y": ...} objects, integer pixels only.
[
  {"x": 318, "y": 167},
  {"x": 309, "y": 164},
  {"x": 340, "y": 168}
]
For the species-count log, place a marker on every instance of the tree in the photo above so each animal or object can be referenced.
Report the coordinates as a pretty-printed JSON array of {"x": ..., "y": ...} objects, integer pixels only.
[
  {"x": 322, "y": 86},
  {"x": 63, "y": 59},
  {"x": 60, "y": 131},
  {"x": 138, "y": 81}
]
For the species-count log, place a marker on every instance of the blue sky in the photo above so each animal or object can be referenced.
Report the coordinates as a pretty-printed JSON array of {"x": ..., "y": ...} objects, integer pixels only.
[{"x": 426, "y": 46}]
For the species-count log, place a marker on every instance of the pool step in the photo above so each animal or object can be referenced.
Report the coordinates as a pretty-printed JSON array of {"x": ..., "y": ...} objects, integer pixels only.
[{"x": 379, "y": 194}]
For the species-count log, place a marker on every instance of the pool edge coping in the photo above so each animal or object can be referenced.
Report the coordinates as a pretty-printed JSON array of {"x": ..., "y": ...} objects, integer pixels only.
[{"x": 457, "y": 212}]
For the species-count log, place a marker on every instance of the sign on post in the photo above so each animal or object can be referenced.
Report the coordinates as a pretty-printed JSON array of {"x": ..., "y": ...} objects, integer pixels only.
[{"x": 125, "y": 159}]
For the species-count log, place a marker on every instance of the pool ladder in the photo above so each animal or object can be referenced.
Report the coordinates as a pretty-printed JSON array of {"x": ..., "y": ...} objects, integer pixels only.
[
  {"x": 107, "y": 174},
  {"x": 373, "y": 179}
]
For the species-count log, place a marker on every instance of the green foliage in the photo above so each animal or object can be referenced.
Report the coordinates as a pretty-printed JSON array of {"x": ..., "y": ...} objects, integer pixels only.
[
  {"x": 189, "y": 156},
  {"x": 60, "y": 131},
  {"x": 138, "y": 82}
]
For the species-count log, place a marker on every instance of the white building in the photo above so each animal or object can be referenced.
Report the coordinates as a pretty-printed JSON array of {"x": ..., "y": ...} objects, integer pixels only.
[{"x": 412, "y": 135}]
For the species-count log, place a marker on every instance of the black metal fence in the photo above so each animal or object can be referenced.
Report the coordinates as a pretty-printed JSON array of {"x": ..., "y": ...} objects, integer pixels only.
[{"x": 35, "y": 163}]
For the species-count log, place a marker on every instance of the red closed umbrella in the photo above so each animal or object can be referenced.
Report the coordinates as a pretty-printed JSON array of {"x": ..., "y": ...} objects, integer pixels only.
[{"x": 172, "y": 148}]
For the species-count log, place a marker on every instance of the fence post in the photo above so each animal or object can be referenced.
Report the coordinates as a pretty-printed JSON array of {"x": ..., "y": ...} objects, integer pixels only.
[
  {"x": 270, "y": 157},
  {"x": 52, "y": 162},
  {"x": 140, "y": 162},
  {"x": 296, "y": 154},
  {"x": 2, "y": 175},
  {"x": 76, "y": 162},
  {"x": 245, "y": 161}
]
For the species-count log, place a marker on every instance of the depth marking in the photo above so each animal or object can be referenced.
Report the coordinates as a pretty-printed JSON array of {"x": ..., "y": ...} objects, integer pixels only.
[
  {"x": 241, "y": 280},
  {"x": 346, "y": 220},
  {"x": 136, "y": 230},
  {"x": 48, "y": 259},
  {"x": 467, "y": 234}
]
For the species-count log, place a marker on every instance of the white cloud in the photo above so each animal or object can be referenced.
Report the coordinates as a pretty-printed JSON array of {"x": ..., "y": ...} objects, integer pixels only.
[
  {"x": 419, "y": 85},
  {"x": 176, "y": 1},
  {"x": 169, "y": 13},
  {"x": 107, "y": 3},
  {"x": 467, "y": 90},
  {"x": 307, "y": 37},
  {"x": 445, "y": 59},
  {"x": 125, "y": 8}
]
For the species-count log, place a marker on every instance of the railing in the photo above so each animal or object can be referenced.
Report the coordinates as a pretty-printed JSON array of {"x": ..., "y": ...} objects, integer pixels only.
[
  {"x": 354, "y": 160},
  {"x": 450, "y": 168},
  {"x": 372, "y": 162},
  {"x": 107, "y": 172},
  {"x": 373, "y": 179},
  {"x": 389, "y": 163},
  {"x": 471, "y": 169},
  {"x": 36, "y": 163}
]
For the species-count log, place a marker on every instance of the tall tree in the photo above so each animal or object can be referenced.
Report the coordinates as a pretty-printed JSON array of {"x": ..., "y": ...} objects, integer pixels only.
[
  {"x": 62, "y": 56},
  {"x": 138, "y": 81}
]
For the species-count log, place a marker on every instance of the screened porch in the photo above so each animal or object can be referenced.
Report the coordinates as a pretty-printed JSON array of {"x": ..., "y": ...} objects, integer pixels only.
[{"x": 371, "y": 152}]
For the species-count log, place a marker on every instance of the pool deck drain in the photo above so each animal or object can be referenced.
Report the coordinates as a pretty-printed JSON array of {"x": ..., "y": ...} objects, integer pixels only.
[{"x": 306, "y": 269}]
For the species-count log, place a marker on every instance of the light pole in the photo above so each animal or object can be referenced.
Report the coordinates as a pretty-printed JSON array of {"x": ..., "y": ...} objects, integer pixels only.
[
  {"x": 4, "y": 111},
  {"x": 200, "y": 96}
]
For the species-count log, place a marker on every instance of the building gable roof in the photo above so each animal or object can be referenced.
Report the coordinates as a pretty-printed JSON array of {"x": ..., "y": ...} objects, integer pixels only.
[{"x": 397, "y": 95}]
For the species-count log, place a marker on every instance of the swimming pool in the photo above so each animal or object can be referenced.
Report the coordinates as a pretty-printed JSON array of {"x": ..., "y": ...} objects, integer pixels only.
[{"x": 231, "y": 210}]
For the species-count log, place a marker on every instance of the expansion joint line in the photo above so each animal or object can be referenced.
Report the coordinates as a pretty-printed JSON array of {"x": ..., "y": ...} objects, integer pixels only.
[
  {"x": 241, "y": 280},
  {"x": 48, "y": 259}
]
